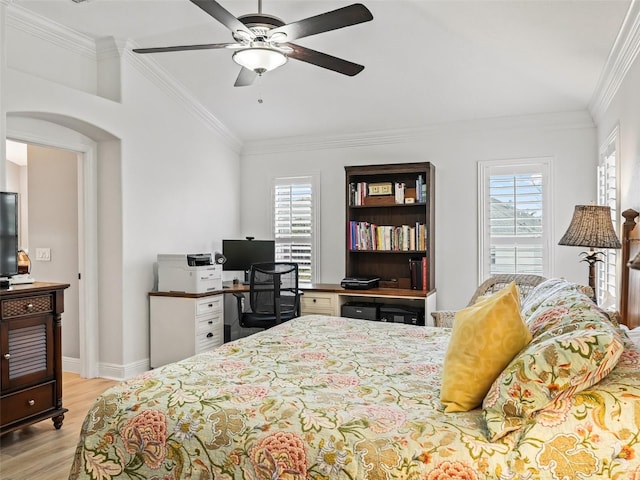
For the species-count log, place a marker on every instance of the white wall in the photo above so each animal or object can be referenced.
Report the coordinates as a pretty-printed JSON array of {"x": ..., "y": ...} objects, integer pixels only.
[
  {"x": 167, "y": 181},
  {"x": 14, "y": 172},
  {"x": 455, "y": 150},
  {"x": 53, "y": 224},
  {"x": 624, "y": 112}
]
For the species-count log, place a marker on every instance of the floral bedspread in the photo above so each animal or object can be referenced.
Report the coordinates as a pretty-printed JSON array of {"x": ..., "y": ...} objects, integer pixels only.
[{"x": 333, "y": 398}]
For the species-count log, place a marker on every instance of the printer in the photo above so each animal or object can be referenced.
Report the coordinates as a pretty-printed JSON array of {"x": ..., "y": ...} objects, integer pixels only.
[
  {"x": 360, "y": 283},
  {"x": 189, "y": 273}
]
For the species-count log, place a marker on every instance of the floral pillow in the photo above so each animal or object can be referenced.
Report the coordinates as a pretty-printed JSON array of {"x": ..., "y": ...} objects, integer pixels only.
[
  {"x": 565, "y": 306},
  {"x": 555, "y": 365},
  {"x": 542, "y": 292},
  {"x": 546, "y": 293}
]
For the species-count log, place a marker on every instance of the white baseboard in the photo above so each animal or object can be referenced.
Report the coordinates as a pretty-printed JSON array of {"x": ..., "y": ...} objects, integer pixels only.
[
  {"x": 122, "y": 372},
  {"x": 70, "y": 364},
  {"x": 108, "y": 370}
]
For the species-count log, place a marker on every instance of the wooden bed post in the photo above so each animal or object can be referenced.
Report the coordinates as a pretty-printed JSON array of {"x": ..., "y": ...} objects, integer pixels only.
[{"x": 627, "y": 228}]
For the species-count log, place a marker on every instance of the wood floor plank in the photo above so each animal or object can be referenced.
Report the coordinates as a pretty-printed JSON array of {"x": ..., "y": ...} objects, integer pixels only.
[{"x": 39, "y": 451}]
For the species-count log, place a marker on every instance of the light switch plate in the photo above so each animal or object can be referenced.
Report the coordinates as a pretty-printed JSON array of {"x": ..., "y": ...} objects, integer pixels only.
[{"x": 43, "y": 254}]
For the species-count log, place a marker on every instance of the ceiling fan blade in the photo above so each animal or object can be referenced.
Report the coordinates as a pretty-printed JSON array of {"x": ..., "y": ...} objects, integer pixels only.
[
  {"x": 179, "y": 48},
  {"x": 323, "y": 60},
  {"x": 218, "y": 12},
  {"x": 245, "y": 78},
  {"x": 342, "y": 17}
]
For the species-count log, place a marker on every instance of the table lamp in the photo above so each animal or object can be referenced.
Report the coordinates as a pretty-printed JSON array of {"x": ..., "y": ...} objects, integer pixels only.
[
  {"x": 24, "y": 262},
  {"x": 591, "y": 227}
]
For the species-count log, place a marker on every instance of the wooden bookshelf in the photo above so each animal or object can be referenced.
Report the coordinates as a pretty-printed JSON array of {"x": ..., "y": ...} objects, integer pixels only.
[{"x": 382, "y": 225}]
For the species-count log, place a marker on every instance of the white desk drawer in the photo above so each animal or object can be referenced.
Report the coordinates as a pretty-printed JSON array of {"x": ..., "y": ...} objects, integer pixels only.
[
  {"x": 208, "y": 340},
  {"x": 209, "y": 305},
  {"x": 318, "y": 302},
  {"x": 208, "y": 323}
]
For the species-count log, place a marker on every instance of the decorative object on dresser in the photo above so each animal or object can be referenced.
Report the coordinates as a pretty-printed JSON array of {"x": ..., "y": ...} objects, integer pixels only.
[
  {"x": 390, "y": 214},
  {"x": 591, "y": 227},
  {"x": 24, "y": 262},
  {"x": 31, "y": 356}
]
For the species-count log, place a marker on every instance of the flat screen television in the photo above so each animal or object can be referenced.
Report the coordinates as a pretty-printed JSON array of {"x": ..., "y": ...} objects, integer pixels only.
[
  {"x": 241, "y": 254},
  {"x": 8, "y": 234}
]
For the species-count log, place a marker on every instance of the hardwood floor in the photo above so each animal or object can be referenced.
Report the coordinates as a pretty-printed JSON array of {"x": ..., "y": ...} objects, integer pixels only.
[{"x": 40, "y": 452}]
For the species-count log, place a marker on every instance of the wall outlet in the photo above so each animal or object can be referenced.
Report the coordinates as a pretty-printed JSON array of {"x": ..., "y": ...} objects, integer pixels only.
[{"x": 43, "y": 254}]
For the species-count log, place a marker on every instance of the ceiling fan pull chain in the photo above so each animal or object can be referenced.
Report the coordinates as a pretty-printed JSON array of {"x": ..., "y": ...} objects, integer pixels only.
[{"x": 260, "y": 101}]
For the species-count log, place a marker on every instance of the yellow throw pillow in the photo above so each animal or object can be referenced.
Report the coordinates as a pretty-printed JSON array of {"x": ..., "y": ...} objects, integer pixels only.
[{"x": 485, "y": 338}]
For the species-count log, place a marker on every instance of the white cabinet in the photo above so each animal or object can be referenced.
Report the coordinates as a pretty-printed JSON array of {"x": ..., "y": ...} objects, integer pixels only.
[
  {"x": 182, "y": 326},
  {"x": 321, "y": 303}
]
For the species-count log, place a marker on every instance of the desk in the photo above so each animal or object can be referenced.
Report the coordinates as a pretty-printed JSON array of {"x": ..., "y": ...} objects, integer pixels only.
[
  {"x": 183, "y": 324},
  {"x": 327, "y": 298}
]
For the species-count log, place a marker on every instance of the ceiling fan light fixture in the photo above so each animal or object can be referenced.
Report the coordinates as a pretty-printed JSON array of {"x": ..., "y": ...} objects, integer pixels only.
[{"x": 259, "y": 59}]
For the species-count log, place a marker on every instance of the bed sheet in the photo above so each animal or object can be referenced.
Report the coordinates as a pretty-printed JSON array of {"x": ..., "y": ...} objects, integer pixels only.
[{"x": 334, "y": 398}]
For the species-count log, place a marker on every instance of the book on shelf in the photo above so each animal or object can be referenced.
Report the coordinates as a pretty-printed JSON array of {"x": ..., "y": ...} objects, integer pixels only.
[
  {"x": 370, "y": 236},
  {"x": 357, "y": 193},
  {"x": 421, "y": 190},
  {"x": 399, "y": 192},
  {"x": 418, "y": 272}
]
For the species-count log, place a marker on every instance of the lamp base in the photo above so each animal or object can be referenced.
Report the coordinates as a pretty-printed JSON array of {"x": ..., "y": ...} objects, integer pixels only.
[{"x": 592, "y": 257}]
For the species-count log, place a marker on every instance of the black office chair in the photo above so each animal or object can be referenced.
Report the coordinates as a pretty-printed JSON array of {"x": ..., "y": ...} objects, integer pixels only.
[{"x": 273, "y": 295}]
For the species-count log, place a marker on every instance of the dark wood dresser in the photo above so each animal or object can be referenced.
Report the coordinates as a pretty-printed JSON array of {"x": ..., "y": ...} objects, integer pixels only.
[{"x": 30, "y": 355}]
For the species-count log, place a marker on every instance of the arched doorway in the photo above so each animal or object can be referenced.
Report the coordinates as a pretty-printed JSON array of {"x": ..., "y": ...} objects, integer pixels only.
[{"x": 61, "y": 132}]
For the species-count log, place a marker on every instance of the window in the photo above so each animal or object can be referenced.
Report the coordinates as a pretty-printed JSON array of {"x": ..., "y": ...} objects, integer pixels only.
[
  {"x": 608, "y": 195},
  {"x": 514, "y": 207},
  {"x": 295, "y": 212}
]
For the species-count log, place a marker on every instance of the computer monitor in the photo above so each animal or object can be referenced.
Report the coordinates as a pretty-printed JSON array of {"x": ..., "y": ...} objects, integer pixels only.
[{"x": 241, "y": 254}]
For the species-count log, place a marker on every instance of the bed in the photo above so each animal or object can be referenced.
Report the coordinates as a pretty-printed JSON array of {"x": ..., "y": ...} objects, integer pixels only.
[{"x": 334, "y": 398}]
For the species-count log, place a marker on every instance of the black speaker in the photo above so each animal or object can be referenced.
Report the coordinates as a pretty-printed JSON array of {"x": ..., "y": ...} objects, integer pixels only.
[{"x": 365, "y": 311}]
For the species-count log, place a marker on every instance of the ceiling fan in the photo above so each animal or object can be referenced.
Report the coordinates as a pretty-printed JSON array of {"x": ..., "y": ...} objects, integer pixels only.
[{"x": 262, "y": 41}]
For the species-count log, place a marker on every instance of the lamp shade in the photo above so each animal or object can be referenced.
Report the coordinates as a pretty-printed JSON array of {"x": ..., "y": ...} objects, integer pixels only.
[
  {"x": 635, "y": 263},
  {"x": 260, "y": 59},
  {"x": 591, "y": 227}
]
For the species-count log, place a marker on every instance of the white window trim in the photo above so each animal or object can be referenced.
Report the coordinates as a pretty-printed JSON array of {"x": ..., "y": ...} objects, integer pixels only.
[
  {"x": 315, "y": 216},
  {"x": 484, "y": 166},
  {"x": 612, "y": 139}
]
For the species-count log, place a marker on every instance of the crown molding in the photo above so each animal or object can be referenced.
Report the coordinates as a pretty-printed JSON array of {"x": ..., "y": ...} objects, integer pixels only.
[
  {"x": 621, "y": 57},
  {"x": 540, "y": 122},
  {"x": 154, "y": 72},
  {"x": 41, "y": 27},
  {"x": 29, "y": 22}
]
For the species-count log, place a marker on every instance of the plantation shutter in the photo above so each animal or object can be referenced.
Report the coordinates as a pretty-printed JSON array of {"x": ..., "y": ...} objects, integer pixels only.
[
  {"x": 293, "y": 224},
  {"x": 608, "y": 196},
  {"x": 514, "y": 227}
]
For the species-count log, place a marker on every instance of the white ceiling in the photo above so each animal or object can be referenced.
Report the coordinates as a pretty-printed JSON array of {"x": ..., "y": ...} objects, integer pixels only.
[{"x": 427, "y": 62}]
